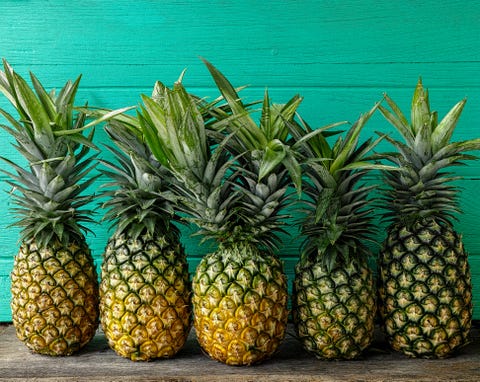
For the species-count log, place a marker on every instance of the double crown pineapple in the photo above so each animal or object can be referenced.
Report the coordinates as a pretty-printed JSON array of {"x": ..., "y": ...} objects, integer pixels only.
[{"x": 232, "y": 179}]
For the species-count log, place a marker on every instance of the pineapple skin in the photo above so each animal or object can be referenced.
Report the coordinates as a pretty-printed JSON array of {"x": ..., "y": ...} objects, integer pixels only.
[
  {"x": 54, "y": 297},
  {"x": 240, "y": 305},
  {"x": 425, "y": 290},
  {"x": 334, "y": 310},
  {"x": 145, "y": 297}
]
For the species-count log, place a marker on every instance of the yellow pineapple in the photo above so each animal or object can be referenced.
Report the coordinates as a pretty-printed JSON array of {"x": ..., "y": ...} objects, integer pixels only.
[
  {"x": 54, "y": 281},
  {"x": 145, "y": 287},
  {"x": 232, "y": 176}
]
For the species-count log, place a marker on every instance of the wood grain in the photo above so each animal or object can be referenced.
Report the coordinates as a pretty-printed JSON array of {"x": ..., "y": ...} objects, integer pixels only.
[{"x": 97, "y": 362}]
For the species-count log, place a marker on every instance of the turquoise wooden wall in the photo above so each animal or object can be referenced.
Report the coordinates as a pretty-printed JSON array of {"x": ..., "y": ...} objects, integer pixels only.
[{"x": 340, "y": 55}]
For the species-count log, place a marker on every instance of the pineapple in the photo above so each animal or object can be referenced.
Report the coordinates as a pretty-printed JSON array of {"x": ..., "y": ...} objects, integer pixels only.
[
  {"x": 334, "y": 298},
  {"x": 424, "y": 277},
  {"x": 54, "y": 282},
  {"x": 145, "y": 288},
  {"x": 232, "y": 178}
]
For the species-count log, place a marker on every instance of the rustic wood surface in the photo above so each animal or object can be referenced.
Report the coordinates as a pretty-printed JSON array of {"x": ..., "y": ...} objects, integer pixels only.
[{"x": 97, "y": 362}]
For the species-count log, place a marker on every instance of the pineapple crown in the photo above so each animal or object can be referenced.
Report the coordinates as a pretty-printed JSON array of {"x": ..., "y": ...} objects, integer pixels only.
[
  {"x": 266, "y": 162},
  {"x": 419, "y": 187},
  {"x": 338, "y": 213},
  {"x": 138, "y": 197},
  {"x": 231, "y": 173},
  {"x": 49, "y": 193}
]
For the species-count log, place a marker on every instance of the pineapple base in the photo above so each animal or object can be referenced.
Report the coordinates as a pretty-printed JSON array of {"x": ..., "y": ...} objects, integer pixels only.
[
  {"x": 145, "y": 297},
  {"x": 334, "y": 311},
  {"x": 240, "y": 305},
  {"x": 425, "y": 290},
  {"x": 54, "y": 297}
]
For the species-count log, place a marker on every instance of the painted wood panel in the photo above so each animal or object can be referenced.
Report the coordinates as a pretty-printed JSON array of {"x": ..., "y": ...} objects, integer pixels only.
[{"x": 341, "y": 56}]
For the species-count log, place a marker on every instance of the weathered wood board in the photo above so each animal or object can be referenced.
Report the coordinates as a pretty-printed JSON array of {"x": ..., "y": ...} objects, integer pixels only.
[{"x": 97, "y": 362}]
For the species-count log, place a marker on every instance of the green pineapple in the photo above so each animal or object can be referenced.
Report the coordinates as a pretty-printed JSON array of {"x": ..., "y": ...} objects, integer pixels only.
[
  {"x": 145, "y": 288},
  {"x": 334, "y": 298},
  {"x": 233, "y": 180},
  {"x": 424, "y": 276},
  {"x": 54, "y": 282}
]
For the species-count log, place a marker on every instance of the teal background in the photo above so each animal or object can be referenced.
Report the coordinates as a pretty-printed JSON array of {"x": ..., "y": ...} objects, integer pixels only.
[{"x": 340, "y": 55}]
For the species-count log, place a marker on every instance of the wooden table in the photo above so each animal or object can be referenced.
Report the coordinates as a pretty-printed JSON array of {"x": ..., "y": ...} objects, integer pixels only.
[{"x": 97, "y": 362}]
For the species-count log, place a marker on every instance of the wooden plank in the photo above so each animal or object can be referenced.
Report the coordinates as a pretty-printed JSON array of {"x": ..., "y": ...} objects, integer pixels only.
[
  {"x": 5, "y": 313},
  {"x": 320, "y": 106},
  {"x": 293, "y": 74},
  {"x": 96, "y": 362},
  {"x": 282, "y": 41}
]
